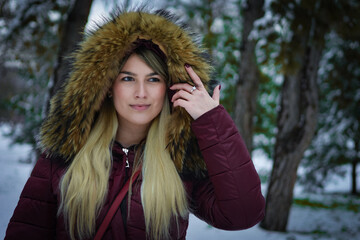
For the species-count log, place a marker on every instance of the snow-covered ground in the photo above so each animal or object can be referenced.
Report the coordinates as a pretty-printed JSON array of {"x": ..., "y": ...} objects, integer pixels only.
[{"x": 305, "y": 223}]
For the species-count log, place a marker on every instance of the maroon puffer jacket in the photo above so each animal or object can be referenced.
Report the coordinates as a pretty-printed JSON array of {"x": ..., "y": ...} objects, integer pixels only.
[{"x": 229, "y": 199}]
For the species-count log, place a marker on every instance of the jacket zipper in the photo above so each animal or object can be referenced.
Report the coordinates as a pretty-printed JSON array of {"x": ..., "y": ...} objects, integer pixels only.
[
  {"x": 122, "y": 205},
  {"x": 126, "y": 151},
  {"x": 127, "y": 165}
]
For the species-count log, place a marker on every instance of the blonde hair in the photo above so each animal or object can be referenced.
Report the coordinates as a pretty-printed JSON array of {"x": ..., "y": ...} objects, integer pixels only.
[
  {"x": 84, "y": 186},
  {"x": 162, "y": 192}
]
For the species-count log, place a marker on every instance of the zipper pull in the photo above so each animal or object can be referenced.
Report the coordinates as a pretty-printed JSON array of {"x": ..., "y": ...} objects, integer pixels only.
[{"x": 125, "y": 150}]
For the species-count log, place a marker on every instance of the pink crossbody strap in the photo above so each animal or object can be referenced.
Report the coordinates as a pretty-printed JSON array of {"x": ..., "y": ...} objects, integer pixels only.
[{"x": 114, "y": 206}]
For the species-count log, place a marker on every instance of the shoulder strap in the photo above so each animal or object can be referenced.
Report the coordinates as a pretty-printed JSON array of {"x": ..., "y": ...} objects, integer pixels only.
[{"x": 114, "y": 206}]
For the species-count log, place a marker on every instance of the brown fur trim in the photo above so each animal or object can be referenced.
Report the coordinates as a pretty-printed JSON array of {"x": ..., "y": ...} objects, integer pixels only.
[{"x": 96, "y": 65}]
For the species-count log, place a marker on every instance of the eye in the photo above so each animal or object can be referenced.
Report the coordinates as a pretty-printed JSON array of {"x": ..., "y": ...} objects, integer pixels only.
[
  {"x": 127, "y": 79},
  {"x": 154, "y": 79}
]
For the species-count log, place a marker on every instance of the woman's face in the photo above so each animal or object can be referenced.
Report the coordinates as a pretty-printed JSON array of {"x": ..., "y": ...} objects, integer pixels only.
[{"x": 138, "y": 93}]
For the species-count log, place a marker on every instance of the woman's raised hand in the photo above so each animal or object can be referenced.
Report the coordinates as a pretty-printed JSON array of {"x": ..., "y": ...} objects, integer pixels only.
[{"x": 195, "y": 99}]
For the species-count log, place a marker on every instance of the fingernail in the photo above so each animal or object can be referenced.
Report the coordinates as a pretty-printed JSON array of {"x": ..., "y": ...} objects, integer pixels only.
[
  {"x": 187, "y": 65},
  {"x": 219, "y": 87}
]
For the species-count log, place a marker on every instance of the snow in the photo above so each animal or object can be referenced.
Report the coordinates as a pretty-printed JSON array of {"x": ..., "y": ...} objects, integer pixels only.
[
  {"x": 13, "y": 176},
  {"x": 305, "y": 223}
]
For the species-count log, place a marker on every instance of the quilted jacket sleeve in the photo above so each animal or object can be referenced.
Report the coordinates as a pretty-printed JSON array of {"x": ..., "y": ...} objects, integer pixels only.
[
  {"x": 35, "y": 215},
  {"x": 231, "y": 198}
]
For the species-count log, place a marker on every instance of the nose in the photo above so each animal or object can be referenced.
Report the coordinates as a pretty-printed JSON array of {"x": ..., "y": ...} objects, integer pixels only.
[{"x": 141, "y": 91}]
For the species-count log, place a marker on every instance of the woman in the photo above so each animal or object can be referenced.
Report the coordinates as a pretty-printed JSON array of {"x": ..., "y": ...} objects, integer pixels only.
[{"x": 137, "y": 98}]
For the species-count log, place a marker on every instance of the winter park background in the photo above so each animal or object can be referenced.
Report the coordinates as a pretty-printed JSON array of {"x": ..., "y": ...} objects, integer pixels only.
[{"x": 281, "y": 37}]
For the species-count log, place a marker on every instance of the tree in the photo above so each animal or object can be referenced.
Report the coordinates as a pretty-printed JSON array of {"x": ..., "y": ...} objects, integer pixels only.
[
  {"x": 249, "y": 75},
  {"x": 298, "y": 106},
  {"x": 219, "y": 25},
  {"x": 337, "y": 142},
  {"x": 30, "y": 32},
  {"x": 70, "y": 37},
  {"x": 305, "y": 25}
]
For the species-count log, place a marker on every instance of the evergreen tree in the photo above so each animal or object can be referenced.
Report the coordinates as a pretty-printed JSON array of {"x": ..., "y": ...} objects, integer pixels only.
[
  {"x": 220, "y": 27},
  {"x": 35, "y": 36},
  {"x": 73, "y": 31},
  {"x": 222, "y": 24},
  {"x": 249, "y": 74},
  {"x": 303, "y": 26},
  {"x": 29, "y": 36},
  {"x": 337, "y": 142}
]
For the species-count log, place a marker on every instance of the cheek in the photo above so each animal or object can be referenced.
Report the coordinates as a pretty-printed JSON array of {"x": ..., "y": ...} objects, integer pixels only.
[
  {"x": 161, "y": 92},
  {"x": 118, "y": 91},
  {"x": 160, "y": 96}
]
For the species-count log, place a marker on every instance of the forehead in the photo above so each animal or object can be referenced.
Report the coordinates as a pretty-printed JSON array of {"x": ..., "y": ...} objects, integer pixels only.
[{"x": 135, "y": 64}]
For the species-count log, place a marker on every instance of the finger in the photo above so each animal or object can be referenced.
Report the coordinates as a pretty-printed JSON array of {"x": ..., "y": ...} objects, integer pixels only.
[
  {"x": 216, "y": 94},
  {"x": 181, "y": 103},
  {"x": 181, "y": 95},
  {"x": 197, "y": 81},
  {"x": 182, "y": 86}
]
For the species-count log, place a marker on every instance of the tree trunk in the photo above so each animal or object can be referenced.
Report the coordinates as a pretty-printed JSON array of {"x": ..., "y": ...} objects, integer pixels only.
[
  {"x": 296, "y": 127},
  {"x": 247, "y": 85},
  {"x": 71, "y": 36}
]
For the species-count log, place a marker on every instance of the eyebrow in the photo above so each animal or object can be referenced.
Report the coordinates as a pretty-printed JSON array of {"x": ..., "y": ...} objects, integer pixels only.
[{"x": 133, "y": 74}]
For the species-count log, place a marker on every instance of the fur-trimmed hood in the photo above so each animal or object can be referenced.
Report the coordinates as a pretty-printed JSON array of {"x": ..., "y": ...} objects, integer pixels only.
[{"x": 96, "y": 64}]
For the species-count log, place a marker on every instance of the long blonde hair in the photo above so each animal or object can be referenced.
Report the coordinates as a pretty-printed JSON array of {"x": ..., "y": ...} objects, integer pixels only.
[
  {"x": 162, "y": 192},
  {"x": 84, "y": 186}
]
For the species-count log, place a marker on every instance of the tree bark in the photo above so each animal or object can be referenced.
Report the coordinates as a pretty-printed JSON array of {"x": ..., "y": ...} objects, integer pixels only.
[
  {"x": 71, "y": 36},
  {"x": 296, "y": 123},
  {"x": 247, "y": 85}
]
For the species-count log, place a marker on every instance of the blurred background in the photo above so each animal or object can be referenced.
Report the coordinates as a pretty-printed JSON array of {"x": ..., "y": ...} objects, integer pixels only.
[{"x": 290, "y": 76}]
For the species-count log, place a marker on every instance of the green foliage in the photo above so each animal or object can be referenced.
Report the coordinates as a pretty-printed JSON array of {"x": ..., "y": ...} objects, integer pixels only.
[
  {"x": 219, "y": 23},
  {"x": 278, "y": 50},
  {"x": 269, "y": 44},
  {"x": 349, "y": 205},
  {"x": 338, "y": 137},
  {"x": 29, "y": 105},
  {"x": 266, "y": 114},
  {"x": 228, "y": 60}
]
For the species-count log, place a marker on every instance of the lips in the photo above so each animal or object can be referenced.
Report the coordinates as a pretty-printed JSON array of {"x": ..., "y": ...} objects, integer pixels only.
[{"x": 140, "y": 107}]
